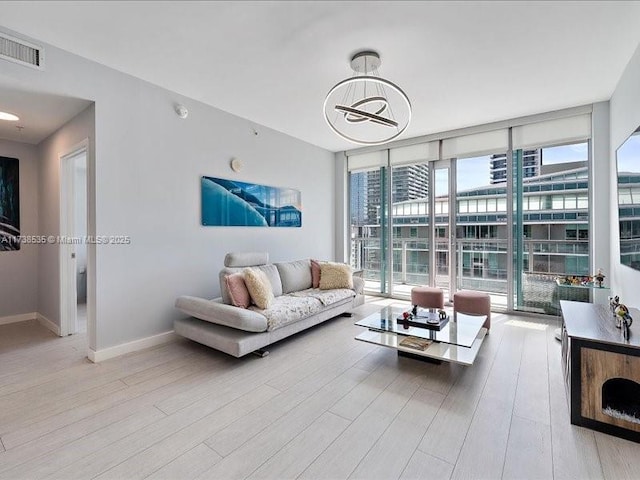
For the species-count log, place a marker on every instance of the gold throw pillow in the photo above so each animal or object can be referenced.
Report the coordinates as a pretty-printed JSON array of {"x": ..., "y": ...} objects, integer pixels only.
[
  {"x": 259, "y": 287},
  {"x": 335, "y": 275}
]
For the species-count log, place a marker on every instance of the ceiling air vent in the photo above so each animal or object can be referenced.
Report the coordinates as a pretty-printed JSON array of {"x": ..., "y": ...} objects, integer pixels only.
[{"x": 19, "y": 51}]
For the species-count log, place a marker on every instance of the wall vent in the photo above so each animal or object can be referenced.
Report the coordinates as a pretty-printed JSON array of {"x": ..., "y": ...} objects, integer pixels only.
[{"x": 19, "y": 51}]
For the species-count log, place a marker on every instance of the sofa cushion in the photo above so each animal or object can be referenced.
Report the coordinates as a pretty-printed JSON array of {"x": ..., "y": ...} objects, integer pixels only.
[
  {"x": 259, "y": 287},
  {"x": 358, "y": 285},
  {"x": 246, "y": 259},
  {"x": 294, "y": 276},
  {"x": 270, "y": 270},
  {"x": 335, "y": 275},
  {"x": 224, "y": 290},
  {"x": 288, "y": 309},
  {"x": 227, "y": 315},
  {"x": 237, "y": 289},
  {"x": 274, "y": 278},
  {"x": 326, "y": 297},
  {"x": 315, "y": 273}
]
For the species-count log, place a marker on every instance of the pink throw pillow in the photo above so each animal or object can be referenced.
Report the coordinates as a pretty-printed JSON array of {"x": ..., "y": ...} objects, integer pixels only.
[
  {"x": 315, "y": 273},
  {"x": 238, "y": 290}
]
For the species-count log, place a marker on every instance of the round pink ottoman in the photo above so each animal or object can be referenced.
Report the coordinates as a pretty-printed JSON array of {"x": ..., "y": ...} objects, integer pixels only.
[
  {"x": 473, "y": 303},
  {"x": 427, "y": 297}
]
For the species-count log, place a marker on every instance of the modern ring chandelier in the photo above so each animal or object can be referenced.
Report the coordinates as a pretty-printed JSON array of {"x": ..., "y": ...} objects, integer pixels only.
[{"x": 367, "y": 109}]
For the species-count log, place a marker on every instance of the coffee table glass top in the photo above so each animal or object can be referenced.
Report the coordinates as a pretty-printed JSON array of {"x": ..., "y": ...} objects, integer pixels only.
[{"x": 462, "y": 333}]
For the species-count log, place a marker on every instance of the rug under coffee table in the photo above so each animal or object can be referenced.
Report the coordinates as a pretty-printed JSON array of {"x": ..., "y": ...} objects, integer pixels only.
[{"x": 457, "y": 342}]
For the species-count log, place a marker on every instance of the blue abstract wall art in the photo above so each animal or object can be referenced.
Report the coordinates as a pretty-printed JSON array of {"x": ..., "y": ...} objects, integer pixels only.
[
  {"x": 9, "y": 204},
  {"x": 231, "y": 203}
]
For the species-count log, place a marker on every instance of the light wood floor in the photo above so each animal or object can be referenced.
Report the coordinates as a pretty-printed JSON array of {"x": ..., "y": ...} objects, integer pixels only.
[{"x": 321, "y": 405}]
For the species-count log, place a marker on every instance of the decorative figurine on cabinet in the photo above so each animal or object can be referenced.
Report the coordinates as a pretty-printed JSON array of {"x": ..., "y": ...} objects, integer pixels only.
[
  {"x": 599, "y": 278},
  {"x": 613, "y": 304},
  {"x": 623, "y": 320}
]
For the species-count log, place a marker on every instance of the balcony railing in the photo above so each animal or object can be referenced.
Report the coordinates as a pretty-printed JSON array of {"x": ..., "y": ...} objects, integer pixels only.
[
  {"x": 481, "y": 264},
  {"x": 629, "y": 245}
]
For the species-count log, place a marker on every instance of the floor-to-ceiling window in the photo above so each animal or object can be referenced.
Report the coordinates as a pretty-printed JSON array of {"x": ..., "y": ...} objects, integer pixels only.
[
  {"x": 554, "y": 198},
  {"x": 502, "y": 211},
  {"x": 443, "y": 273},
  {"x": 368, "y": 226},
  {"x": 482, "y": 227},
  {"x": 410, "y": 224}
]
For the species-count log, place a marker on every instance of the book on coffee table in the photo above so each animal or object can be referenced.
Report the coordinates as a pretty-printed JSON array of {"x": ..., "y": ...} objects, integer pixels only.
[{"x": 416, "y": 343}]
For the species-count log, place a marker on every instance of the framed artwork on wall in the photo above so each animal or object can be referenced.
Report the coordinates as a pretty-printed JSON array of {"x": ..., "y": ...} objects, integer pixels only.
[
  {"x": 232, "y": 203},
  {"x": 9, "y": 204}
]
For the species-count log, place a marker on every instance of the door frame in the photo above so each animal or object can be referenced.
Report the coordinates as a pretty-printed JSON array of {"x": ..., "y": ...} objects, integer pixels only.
[{"x": 67, "y": 270}]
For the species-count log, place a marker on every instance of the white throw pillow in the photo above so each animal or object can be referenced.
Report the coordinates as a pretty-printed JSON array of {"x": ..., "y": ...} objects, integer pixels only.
[
  {"x": 259, "y": 287},
  {"x": 335, "y": 275}
]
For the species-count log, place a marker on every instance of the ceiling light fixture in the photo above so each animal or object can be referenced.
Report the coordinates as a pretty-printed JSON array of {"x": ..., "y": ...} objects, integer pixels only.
[
  {"x": 367, "y": 109},
  {"x": 10, "y": 117}
]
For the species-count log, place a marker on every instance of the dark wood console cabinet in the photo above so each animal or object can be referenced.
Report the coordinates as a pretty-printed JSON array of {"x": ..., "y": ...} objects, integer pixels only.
[{"x": 601, "y": 369}]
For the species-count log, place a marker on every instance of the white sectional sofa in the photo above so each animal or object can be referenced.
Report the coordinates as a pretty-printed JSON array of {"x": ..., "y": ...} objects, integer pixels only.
[{"x": 297, "y": 306}]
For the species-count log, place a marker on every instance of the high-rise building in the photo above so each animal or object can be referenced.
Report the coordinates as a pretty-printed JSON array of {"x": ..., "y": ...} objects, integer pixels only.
[
  {"x": 359, "y": 198},
  {"x": 407, "y": 183},
  {"x": 373, "y": 190},
  {"x": 531, "y": 163},
  {"x": 410, "y": 182}
]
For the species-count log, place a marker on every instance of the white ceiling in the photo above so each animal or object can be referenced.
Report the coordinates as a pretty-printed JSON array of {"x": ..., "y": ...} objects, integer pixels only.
[
  {"x": 40, "y": 114},
  {"x": 461, "y": 63}
]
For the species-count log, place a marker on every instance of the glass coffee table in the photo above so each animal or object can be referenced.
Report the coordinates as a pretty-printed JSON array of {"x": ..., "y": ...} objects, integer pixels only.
[{"x": 456, "y": 342}]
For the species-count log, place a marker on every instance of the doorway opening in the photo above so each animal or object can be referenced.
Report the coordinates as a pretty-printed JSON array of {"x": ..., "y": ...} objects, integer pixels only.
[{"x": 73, "y": 241}]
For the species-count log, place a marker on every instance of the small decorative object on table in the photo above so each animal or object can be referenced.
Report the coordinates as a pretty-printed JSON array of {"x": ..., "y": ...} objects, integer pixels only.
[
  {"x": 437, "y": 319},
  {"x": 406, "y": 317},
  {"x": 599, "y": 278},
  {"x": 423, "y": 319}
]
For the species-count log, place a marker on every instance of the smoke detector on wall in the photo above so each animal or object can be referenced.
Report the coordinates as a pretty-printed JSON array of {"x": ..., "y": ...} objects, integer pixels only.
[{"x": 182, "y": 111}]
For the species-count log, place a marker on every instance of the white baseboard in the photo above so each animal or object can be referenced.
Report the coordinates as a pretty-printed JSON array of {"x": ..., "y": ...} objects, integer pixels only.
[
  {"x": 106, "y": 353},
  {"x": 45, "y": 322},
  {"x": 18, "y": 318}
]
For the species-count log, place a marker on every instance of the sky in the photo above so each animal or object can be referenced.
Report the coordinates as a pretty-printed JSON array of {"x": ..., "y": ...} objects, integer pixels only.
[
  {"x": 474, "y": 172},
  {"x": 628, "y": 155},
  {"x": 566, "y": 153}
]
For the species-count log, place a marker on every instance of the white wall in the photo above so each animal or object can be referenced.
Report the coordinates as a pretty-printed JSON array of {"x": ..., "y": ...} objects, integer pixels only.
[
  {"x": 19, "y": 291},
  {"x": 600, "y": 188},
  {"x": 625, "y": 118},
  {"x": 79, "y": 128},
  {"x": 343, "y": 222},
  {"x": 148, "y": 164}
]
